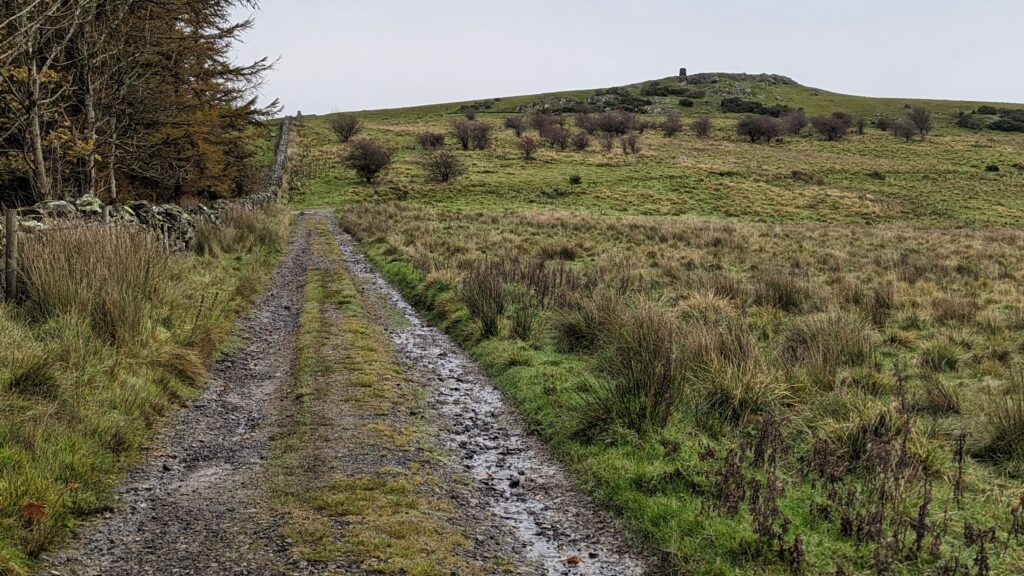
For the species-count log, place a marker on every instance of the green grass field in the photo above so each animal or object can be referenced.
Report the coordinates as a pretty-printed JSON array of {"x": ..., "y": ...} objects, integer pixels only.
[{"x": 821, "y": 345}]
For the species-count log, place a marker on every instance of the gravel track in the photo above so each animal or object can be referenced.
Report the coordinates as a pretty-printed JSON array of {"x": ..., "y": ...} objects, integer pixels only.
[
  {"x": 197, "y": 505},
  {"x": 194, "y": 506}
]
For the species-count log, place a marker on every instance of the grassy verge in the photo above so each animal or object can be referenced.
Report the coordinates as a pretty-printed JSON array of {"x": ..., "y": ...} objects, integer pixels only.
[
  {"x": 809, "y": 432},
  {"x": 111, "y": 336},
  {"x": 354, "y": 472}
]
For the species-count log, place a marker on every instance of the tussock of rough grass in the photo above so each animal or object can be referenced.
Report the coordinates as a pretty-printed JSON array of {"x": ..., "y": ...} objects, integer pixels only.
[
  {"x": 825, "y": 342},
  {"x": 239, "y": 230},
  {"x": 641, "y": 355},
  {"x": 117, "y": 279}
]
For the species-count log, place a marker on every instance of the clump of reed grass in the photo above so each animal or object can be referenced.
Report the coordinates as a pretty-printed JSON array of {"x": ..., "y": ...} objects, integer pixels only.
[
  {"x": 580, "y": 325},
  {"x": 241, "y": 230},
  {"x": 784, "y": 291},
  {"x": 643, "y": 372},
  {"x": 938, "y": 396},
  {"x": 825, "y": 342},
  {"x": 114, "y": 278},
  {"x": 938, "y": 356},
  {"x": 1002, "y": 424}
]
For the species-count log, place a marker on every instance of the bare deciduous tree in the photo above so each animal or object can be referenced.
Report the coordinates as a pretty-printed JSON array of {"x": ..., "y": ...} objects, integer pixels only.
[
  {"x": 759, "y": 128},
  {"x": 922, "y": 119}
]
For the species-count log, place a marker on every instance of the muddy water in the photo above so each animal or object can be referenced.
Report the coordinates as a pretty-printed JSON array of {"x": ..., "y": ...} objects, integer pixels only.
[{"x": 519, "y": 480}]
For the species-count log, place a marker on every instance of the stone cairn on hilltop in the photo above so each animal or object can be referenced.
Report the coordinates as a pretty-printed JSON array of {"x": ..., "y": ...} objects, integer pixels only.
[{"x": 174, "y": 223}]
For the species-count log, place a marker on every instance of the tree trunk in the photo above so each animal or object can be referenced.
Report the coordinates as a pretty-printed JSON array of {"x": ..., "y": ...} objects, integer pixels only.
[
  {"x": 91, "y": 183},
  {"x": 111, "y": 162},
  {"x": 36, "y": 137}
]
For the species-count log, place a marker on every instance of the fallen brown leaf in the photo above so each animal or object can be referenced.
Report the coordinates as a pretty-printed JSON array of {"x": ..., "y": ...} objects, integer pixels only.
[{"x": 34, "y": 510}]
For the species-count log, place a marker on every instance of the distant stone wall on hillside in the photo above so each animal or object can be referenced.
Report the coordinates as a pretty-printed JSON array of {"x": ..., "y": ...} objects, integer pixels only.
[{"x": 174, "y": 223}]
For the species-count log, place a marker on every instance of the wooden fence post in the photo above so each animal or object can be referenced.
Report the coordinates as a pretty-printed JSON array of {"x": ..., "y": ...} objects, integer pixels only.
[
  {"x": 11, "y": 254},
  {"x": 106, "y": 215}
]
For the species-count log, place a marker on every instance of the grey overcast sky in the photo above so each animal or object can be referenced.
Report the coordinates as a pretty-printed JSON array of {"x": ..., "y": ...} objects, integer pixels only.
[{"x": 338, "y": 55}]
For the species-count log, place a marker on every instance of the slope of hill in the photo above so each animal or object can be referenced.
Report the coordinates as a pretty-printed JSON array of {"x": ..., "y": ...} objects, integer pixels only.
[
  {"x": 799, "y": 357},
  {"x": 871, "y": 177}
]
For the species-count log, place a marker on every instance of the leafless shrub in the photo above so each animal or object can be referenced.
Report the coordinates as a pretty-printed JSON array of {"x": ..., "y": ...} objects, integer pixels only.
[
  {"x": 540, "y": 120},
  {"x": 516, "y": 124},
  {"x": 430, "y": 140},
  {"x": 641, "y": 125},
  {"x": 580, "y": 141},
  {"x": 472, "y": 134},
  {"x": 368, "y": 158},
  {"x": 443, "y": 166},
  {"x": 904, "y": 129},
  {"x": 921, "y": 118},
  {"x": 345, "y": 126},
  {"x": 528, "y": 146},
  {"x": 794, "y": 121},
  {"x": 672, "y": 125},
  {"x": 859, "y": 122},
  {"x": 832, "y": 127},
  {"x": 702, "y": 127},
  {"x": 556, "y": 136},
  {"x": 616, "y": 122},
  {"x": 586, "y": 122},
  {"x": 759, "y": 128},
  {"x": 481, "y": 135},
  {"x": 463, "y": 130},
  {"x": 631, "y": 143}
]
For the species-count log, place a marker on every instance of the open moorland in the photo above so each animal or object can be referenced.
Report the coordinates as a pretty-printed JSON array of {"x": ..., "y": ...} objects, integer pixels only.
[{"x": 769, "y": 337}]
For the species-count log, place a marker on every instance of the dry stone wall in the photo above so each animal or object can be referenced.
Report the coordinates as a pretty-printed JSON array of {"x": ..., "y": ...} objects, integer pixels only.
[{"x": 171, "y": 221}]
